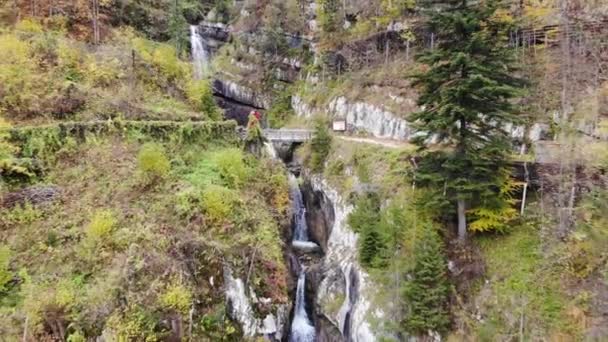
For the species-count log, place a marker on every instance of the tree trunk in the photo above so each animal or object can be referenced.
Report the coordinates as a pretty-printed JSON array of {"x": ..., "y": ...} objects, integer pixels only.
[{"x": 462, "y": 220}]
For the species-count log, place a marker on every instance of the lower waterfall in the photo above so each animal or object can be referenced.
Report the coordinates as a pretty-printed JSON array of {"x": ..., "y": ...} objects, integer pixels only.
[{"x": 301, "y": 328}]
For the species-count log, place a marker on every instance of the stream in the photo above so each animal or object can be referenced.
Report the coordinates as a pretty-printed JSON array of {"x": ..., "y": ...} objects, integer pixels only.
[
  {"x": 302, "y": 329},
  {"x": 322, "y": 257}
]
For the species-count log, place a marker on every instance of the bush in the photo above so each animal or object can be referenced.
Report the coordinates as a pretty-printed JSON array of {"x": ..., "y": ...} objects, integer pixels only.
[
  {"x": 101, "y": 227},
  {"x": 153, "y": 162},
  {"x": 231, "y": 167},
  {"x": 177, "y": 297},
  {"x": 218, "y": 203},
  {"x": 281, "y": 110},
  {"x": 5, "y": 274},
  {"x": 200, "y": 95}
]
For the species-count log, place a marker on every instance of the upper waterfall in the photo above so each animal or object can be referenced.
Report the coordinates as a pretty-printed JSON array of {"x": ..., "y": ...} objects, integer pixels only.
[{"x": 200, "y": 55}]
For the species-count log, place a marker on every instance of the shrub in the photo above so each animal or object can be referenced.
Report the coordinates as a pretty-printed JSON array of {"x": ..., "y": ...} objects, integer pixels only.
[
  {"x": 177, "y": 297},
  {"x": 5, "y": 274},
  {"x": 135, "y": 324},
  {"x": 29, "y": 25},
  {"x": 20, "y": 214},
  {"x": 200, "y": 96},
  {"x": 281, "y": 110},
  {"x": 153, "y": 162},
  {"x": 76, "y": 337},
  {"x": 218, "y": 202},
  {"x": 101, "y": 226},
  {"x": 231, "y": 167}
]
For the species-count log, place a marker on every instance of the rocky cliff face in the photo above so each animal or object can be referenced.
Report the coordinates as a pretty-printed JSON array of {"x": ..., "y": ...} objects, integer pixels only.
[
  {"x": 344, "y": 293},
  {"x": 240, "y": 302},
  {"x": 360, "y": 116}
]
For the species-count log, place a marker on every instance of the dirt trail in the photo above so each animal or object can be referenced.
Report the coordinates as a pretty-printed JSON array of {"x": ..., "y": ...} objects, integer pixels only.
[{"x": 376, "y": 141}]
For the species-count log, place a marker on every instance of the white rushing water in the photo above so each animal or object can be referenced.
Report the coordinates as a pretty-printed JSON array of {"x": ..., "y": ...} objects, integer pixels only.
[
  {"x": 200, "y": 55},
  {"x": 270, "y": 150},
  {"x": 301, "y": 328},
  {"x": 300, "y": 229}
]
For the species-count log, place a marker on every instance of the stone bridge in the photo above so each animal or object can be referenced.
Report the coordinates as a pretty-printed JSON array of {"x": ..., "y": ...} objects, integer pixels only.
[{"x": 288, "y": 135}]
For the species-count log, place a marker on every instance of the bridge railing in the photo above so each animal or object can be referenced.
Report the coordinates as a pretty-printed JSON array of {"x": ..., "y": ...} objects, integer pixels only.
[{"x": 288, "y": 134}]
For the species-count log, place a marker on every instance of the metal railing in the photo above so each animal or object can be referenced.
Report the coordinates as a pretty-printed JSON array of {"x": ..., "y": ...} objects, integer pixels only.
[{"x": 289, "y": 135}]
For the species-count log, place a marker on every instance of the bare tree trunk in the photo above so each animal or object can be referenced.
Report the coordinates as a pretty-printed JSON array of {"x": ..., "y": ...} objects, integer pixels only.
[
  {"x": 462, "y": 220},
  {"x": 27, "y": 319},
  {"x": 95, "y": 20}
]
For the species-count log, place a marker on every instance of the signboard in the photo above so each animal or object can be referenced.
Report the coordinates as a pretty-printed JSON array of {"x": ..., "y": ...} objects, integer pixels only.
[{"x": 339, "y": 125}]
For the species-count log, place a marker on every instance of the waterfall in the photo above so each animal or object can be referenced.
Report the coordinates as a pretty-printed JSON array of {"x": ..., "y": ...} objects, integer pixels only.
[
  {"x": 200, "y": 56},
  {"x": 300, "y": 231},
  {"x": 301, "y": 328},
  {"x": 270, "y": 150}
]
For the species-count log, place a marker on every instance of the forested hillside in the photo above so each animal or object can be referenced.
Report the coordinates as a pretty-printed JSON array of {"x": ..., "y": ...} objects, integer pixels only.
[{"x": 439, "y": 172}]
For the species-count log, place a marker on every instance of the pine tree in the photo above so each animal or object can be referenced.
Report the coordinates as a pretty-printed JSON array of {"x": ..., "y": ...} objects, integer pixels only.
[
  {"x": 178, "y": 26},
  {"x": 370, "y": 246},
  {"x": 427, "y": 293},
  {"x": 365, "y": 220},
  {"x": 320, "y": 145},
  {"x": 467, "y": 93}
]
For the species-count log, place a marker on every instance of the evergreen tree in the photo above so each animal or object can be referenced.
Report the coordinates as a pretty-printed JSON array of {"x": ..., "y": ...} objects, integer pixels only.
[
  {"x": 427, "y": 293},
  {"x": 178, "y": 27},
  {"x": 467, "y": 93},
  {"x": 365, "y": 220},
  {"x": 370, "y": 246},
  {"x": 320, "y": 145},
  {"x": 328, "y": 14}
]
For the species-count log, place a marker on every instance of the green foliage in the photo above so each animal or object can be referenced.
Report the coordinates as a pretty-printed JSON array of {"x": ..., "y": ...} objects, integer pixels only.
[
  {"x": 496, "y": 210},
  {"x": 467, "y": 90},
  {"x": 101, "y": 227},
  {"x": 365, "y": 219},
  {"x": 123, "y": 272},
  {"x": 231, "y": 166},
  {"x": 200, "y": 96},
  {"x": 281, "y": 110},
  {"x": 178, "y": 298},
  {"x": 255, "y": 137},
  {"x": 218, "y": 203},
  {"x": 46, "y": 74},
  {"x": 5, "y": 272},
  {"x": 427, "y": 293},
  {"x": 20, "y": 214},
  {"x": 320, "y": 146},
  {"x": 153, "y": 162},
  {"x": 76, "y": 337},
  {"x": 524, "y": 283},
  {"x": 136, "y": 324},
  {"x": 329, "y": 13}
]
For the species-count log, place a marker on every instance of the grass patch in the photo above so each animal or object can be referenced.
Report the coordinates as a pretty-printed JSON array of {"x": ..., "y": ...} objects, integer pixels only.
[{"x": 524, "y": 291}]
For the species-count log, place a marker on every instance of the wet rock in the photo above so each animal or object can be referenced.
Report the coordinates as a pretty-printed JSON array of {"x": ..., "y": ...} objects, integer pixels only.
[
  {"x": 239, "y": 303},
  {"x": 320, "y": 215},
  {"x": 35, "y": 195}
]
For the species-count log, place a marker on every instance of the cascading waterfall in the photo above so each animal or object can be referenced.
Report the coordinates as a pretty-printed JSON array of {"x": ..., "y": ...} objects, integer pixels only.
[
  {"x": 200, "y": 56},
  {"x": 300, "y": 227},
  {"x": 300, "y": 232},
  {"x": 301, "y": 328}
]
